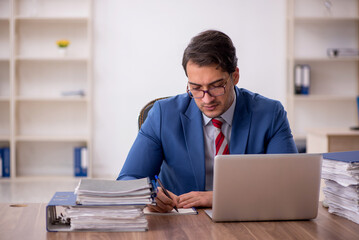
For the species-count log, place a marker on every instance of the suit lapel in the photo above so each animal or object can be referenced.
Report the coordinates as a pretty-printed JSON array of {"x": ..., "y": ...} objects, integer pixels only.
[
  {"x": 193, "y": 133},
  {"x": 241, "y": 124}
]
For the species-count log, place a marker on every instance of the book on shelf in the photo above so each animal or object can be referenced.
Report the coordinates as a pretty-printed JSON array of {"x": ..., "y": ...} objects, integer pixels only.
[
  {"x": 356, "y": 127},
  {"x": 73, "y": 93},
  {"x": 80, "y": 161},
  {"x": 103, "y": 208},
  {"x": 302, "y": 79},
  {"x": 1, "y": 164},
  {"x": 5, "y": 162},
  {"x": 341, "y": 174}
]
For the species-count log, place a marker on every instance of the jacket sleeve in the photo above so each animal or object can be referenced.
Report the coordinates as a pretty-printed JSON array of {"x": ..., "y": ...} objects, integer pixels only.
[
  {"x": 146, "y": 154},
  {"x": 281, "y": 140}
]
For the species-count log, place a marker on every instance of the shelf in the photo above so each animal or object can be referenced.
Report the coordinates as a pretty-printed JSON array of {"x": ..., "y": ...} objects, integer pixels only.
[
  {"x": 322, "y": 98},
  {"x": 312, "y": 29},
  {"x": 4, "y": 138},
  {"x": 39, "y": 123},
  {"x": 53, "y": 19},
  {"x": 52, "y": 8},
  {"x": 51, "y": 138},
  {"x": 4, "y": 99},
  {"x": 52, "y": 99},
  {"x": 324, "y": 19},
  {"x": 334, "y": 131},
  {"x": 56, "y": 178},
  {"x": 326, "y": 59},
  {"x": 53, "y": 59}
]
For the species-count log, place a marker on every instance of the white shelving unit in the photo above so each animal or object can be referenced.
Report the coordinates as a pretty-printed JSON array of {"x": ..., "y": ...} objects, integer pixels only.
[
  {"x": 313, "y": 26},
  {"x": 5, "y": 73},
  {"x": 39, "y": 124}
]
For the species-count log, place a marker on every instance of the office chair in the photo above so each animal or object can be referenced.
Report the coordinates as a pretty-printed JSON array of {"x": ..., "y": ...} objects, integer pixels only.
[{"x": 144, "y": 111}]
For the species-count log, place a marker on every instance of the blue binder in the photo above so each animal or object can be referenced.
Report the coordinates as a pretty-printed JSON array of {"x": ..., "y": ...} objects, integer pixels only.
[
  {"x": 54, "y": 220},
  {"x": 79, "y": 160},
  {"x": 57, "y": 222},
  {"x": 349, "y": 157},
  {"x": 5, "y": 156}
]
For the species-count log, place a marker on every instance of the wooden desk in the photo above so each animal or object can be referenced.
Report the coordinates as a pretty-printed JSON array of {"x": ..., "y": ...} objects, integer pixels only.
[
  {"x": 29, "y": 223},
  {"x": 332, "y": 140}
]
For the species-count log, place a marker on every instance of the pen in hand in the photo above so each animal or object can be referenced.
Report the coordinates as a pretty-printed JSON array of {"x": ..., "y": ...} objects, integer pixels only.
[{"x": 165, "y": 191}]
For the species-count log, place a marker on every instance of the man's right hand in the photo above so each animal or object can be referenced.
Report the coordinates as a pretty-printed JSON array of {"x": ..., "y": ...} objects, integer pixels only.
[{"x": 164, "y": 204}]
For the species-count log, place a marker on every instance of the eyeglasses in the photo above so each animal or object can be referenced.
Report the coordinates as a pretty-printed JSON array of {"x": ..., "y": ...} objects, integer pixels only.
[{"x": 213, "y": 92}]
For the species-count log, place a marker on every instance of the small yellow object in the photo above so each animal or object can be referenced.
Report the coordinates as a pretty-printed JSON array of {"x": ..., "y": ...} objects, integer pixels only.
[{"x": 63, "y": 43}]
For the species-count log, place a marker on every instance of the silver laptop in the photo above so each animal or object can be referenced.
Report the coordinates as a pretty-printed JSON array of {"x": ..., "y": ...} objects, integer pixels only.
[{"x": 266, "y": 187}]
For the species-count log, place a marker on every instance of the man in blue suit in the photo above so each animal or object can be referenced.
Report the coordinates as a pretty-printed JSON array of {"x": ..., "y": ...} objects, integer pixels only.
[{"x": 177, "y": 140}]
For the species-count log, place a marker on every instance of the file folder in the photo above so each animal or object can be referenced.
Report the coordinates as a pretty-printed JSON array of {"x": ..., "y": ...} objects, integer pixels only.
[
  {"x": 349, "y": 156},
  {"x": 54, "y": 219}
]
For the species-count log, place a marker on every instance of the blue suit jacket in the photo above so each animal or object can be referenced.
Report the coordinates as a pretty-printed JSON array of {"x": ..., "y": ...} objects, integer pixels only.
[{"x": 170, "y": 142}]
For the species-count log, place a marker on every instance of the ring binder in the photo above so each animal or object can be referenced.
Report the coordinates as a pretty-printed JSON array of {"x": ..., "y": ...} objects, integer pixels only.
[{"x": 104, "y": 205}]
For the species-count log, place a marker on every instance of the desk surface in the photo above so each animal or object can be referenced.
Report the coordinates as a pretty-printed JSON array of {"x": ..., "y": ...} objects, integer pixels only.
[{"x": 29, "y": 223}]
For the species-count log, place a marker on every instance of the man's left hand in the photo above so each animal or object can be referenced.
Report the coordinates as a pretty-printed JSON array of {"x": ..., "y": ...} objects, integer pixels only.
[{"x": 195, "y": 199}]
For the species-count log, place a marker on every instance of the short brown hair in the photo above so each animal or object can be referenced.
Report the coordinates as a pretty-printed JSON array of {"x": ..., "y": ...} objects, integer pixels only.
[{"x": 211, "y": 47}]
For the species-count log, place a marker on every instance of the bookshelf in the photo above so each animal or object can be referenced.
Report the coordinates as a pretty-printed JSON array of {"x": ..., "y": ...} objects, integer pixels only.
[
  {"x": 312, "y": 28},
  {"x": 39, "y": 122},
  {"x": 5, "y": 96}
]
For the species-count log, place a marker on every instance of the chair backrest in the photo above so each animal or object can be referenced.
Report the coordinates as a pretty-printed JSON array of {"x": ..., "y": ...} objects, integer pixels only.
[{"x": 144, "y": 111}]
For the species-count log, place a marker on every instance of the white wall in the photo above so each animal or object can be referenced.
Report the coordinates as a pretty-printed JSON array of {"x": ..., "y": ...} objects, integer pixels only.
[{"x": 138, "y": 47}]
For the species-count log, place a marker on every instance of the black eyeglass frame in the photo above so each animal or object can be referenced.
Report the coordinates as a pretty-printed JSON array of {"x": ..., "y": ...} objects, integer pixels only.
[{"x": 209, "y": 90}]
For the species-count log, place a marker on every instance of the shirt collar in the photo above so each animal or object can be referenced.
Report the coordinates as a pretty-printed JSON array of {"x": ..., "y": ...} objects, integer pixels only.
[{"x": 227, "y": 115}]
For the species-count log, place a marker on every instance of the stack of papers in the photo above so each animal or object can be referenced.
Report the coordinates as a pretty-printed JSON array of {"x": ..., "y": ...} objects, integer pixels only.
[
  {"x": 181, "y": 211},
  {"x": 341, "y": 174},
  {"x": 111, "y": 192},
  {"x": 109, "y": 205},
  {"x": 344, "y": 173},
  {"x": 107, "y": 218}
]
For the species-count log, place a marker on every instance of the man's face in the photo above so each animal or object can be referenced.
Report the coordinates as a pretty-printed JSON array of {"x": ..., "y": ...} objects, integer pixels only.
[{"x": 206, "y": 77}]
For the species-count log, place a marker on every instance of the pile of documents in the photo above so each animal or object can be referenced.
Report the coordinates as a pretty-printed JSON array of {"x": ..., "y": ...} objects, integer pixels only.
[
  {"x": 107, "y": 218},
  {"x": 100, "y": 192},
  {"x": 109, "y": 205},
  {"x": 341, "y": 174}
]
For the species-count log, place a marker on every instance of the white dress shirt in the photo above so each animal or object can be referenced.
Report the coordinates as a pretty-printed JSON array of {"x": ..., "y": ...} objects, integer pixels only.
[{"x": 209, "y": 140}]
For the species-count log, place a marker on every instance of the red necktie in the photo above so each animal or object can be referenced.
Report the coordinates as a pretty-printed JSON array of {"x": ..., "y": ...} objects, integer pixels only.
[{"x": 220, "y": 142}]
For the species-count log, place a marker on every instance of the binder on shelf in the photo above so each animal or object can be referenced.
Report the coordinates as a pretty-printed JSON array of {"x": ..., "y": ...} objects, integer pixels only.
[
  {"x": 80, "y": 161},
  {"x": 306, "y": 79},
  {"x": 5, "y": 161},
  {"x": 298, "y": 79},
  {"x": 356, "y": 127},
  {"x": 342, "y": 52},
  {"x": 302, "y": 79},
  {"x": 1, "y": 162},
  {"x": 74, "y": 93},
  {"x": 84, "y": 161}
]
